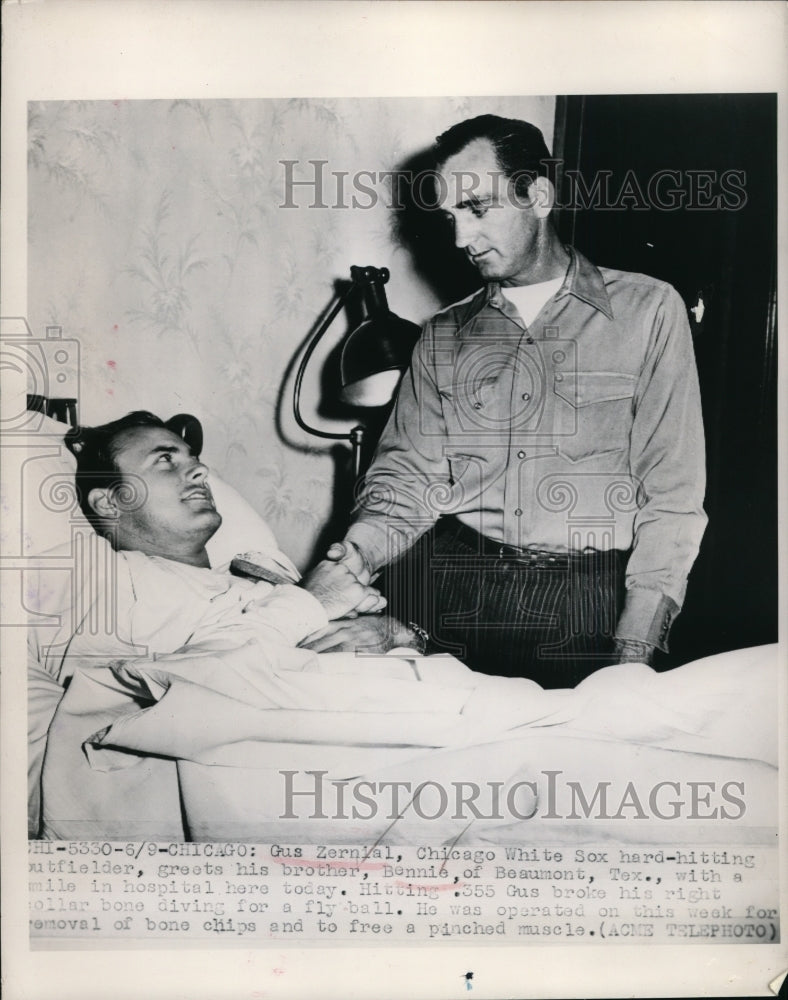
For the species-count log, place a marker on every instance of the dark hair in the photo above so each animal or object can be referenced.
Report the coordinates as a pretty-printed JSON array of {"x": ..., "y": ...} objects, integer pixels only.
[
  {"x": 95, "y": 449},
  {"x": 519, "y": 146}
]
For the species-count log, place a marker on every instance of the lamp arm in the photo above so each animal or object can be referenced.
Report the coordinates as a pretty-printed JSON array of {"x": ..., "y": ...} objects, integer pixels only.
[{"x": 336, "y": 305}]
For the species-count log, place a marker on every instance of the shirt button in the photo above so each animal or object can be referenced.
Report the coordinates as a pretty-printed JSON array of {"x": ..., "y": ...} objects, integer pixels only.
[
  {"x": 529, "y": 340},
  {"x": 518, "y": 512},
  {"x": 559, "y": 377},
  {"x": 477, "y": 406},
  {"x": 521, "y": 454},
  {"x": 526, "y": 396}
]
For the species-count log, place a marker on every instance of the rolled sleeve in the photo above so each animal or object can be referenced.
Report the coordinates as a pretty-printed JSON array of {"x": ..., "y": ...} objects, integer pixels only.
[{"x": 647, "y": 617}]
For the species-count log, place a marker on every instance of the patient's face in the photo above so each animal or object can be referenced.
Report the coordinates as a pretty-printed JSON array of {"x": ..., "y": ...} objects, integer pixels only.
[{"x": 178, "y": 515}]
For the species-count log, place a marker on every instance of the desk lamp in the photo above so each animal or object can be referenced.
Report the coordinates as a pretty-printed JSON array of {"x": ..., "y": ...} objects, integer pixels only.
[{"x": 374, "y": 355}]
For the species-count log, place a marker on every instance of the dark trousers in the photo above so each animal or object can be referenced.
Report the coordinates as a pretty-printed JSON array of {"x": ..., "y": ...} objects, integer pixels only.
[{"x": 517, "y": 613}]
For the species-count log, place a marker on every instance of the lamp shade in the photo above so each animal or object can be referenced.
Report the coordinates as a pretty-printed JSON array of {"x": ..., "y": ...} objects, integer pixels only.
[{"x": 378, "y": 351}]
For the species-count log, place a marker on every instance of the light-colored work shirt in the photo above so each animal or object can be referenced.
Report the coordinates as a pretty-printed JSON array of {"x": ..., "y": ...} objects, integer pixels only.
[{"x": 581, "y": 430}]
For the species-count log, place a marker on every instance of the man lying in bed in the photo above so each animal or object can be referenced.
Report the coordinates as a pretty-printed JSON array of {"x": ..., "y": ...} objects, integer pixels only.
[
  {"x": 146, "y": 492},
  {"x": 180, "y": 719}
]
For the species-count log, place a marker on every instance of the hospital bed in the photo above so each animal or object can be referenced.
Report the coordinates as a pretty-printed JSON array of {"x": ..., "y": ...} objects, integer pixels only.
[{"x": 181, "y": 748}]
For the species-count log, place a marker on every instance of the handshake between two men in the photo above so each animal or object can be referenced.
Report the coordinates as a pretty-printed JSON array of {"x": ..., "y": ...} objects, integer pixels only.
[{"x": 342, "y": 584}]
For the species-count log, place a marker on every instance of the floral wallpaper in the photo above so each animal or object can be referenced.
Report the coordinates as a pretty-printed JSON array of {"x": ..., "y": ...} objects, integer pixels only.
[{"x": 165, "y": 238}]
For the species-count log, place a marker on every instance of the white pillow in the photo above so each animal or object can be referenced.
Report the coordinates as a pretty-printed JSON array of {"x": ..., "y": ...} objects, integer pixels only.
[{"x": 242, "y": 528}]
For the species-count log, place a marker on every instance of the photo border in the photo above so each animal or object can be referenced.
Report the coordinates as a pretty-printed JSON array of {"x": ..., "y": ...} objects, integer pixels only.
[{"x": 222, "y": 48}]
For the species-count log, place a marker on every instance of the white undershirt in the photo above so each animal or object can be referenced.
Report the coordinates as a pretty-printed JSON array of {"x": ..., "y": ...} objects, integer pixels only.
[{"x": 529, "y": 299}]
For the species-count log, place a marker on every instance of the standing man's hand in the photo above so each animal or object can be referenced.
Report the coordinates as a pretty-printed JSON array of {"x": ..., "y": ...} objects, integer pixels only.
[
  {"x": 349, "y": 555},
  {"x": 632, "y": 651},
  {"x": 340, "y": 591}
]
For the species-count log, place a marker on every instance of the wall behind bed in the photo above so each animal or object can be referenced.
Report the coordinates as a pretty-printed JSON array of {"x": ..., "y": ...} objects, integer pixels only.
[{"x": 157, "y": 239}]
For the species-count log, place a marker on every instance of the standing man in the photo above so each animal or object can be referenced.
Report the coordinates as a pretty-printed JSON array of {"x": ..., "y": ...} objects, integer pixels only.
[{"x": 547, "y": 437}]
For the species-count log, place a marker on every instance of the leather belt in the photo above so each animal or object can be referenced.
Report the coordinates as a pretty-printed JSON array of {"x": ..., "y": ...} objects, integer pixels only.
[{"x": 536, "y": 557}]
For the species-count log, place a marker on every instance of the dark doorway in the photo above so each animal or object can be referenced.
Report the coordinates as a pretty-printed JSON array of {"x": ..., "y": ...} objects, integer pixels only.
[{"x": 683, "y": 187}]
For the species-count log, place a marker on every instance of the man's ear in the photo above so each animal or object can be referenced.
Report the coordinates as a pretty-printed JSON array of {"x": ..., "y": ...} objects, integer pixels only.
[
  {"x": 102, "y": 501},
  {"x": 542, "y": 196}
]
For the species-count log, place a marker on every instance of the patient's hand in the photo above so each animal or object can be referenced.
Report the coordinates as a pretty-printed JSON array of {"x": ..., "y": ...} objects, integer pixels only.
[
  {"x": 365, "y": 634},
  {"x": 340, "y": 592}
]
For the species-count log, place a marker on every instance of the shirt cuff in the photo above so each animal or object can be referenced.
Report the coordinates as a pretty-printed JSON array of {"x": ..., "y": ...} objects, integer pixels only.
[
  {"x": 647, "y": 617},
  {"x": 370, "y": 543},
  {"x": 296, "y": 612}
]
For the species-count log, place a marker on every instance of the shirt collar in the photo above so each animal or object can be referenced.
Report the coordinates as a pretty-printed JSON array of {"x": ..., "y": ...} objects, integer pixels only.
[{"x": 583, "y": 280}]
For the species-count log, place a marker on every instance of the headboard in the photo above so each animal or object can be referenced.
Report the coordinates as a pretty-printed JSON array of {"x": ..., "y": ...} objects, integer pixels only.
[{"x": 64, "y": 409}]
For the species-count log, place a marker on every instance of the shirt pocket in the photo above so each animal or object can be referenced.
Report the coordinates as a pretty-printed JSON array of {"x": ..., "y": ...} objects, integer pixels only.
[
  {"x": 594, "y": 412},
  {"x": 477, "y": 408}
]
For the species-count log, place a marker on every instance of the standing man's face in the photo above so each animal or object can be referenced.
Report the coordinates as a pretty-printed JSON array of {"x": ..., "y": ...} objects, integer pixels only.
[{"x": 498, "y": 232}]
